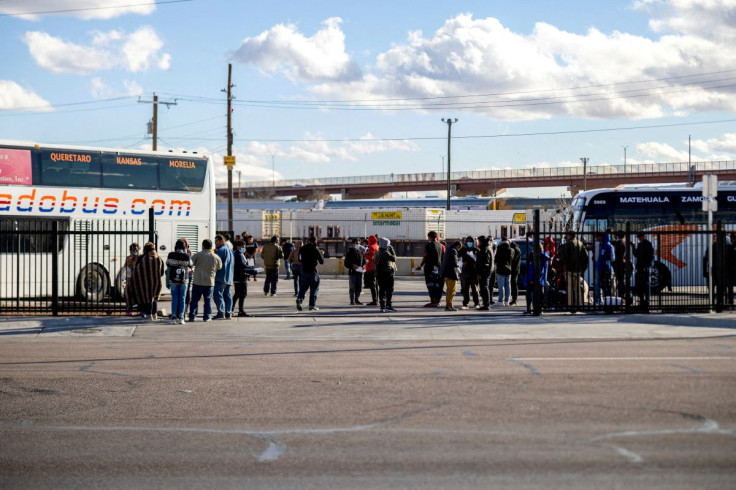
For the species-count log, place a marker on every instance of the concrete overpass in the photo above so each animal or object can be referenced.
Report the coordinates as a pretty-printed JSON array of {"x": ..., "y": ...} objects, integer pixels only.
[{"x": 487, "y": 182}]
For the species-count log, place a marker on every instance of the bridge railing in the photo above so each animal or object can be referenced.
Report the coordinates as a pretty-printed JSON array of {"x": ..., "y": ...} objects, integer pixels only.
[{"x": 499, "y": 174}]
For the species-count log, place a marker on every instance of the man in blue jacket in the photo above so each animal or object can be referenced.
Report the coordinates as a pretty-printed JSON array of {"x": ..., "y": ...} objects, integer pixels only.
[
  {"x": 604, "y": 267},
  {"x": 223, "y": 280}
]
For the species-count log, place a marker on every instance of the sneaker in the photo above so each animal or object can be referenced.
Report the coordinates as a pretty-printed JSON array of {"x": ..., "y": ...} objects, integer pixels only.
[
  {"x": 450, "y": 308},
  {"x": 219, "y": 316},
  {"x": 383, "y": 310},
  {"x": 313, "y": 308},
  {"x": 505, "y": 303},
  {"x": 227, "y": 317},
  {"x": 191, "y": 318},
  {"x": 173, "y": 321},
  {"x": 483, "y": 308},
  {"x": 430, "y": 305},
  {"x": 352, "y": 303},
  {"x": 242, "y": 313},
  {"x": 390, "y": 308},
  {"x": 181, "y": 321},
  {"x": 464, "y": 307},
  {"x": 498, "y": 303},
  {"x": 359, "y": 303},
  {"x": 512, "y": 303},
  {"x": 299, "y": 305},
  {"x": 265, "y": 293},
  {"x": 154, "y": 318},
  {"x": 372, "y": 303},
  {"x": 273, "y": 295},
  {"x": 207, "y": 320},
  {"x": 129, "y": 313}
]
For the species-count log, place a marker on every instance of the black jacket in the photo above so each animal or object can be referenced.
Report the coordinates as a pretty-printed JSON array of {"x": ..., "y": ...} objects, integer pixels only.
[
  {"x": 239, "y": 270},
  {"x": 449, "y": 264},
  {"x": 353, "y": 257},
  {"x": 516, "y": 258},
  {"x": 644, "y": 253},
  {"x": 484, "y": 265},
  {"x": 504, "y": 254},
  {"x": 470, "y": 257},
  {"x": 310, "y": 257}
]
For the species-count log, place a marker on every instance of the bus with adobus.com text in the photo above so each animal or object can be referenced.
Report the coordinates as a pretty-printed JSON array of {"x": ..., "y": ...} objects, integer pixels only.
[{"x": 80, "y": 187}]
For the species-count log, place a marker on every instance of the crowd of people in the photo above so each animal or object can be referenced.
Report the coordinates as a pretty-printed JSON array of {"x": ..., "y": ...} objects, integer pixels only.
[{"x": 221, "y": 273}]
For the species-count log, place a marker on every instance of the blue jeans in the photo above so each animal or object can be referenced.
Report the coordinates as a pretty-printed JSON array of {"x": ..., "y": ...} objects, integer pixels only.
[
  {"x": 602, "y": 282},
  {"x": 287, "y": 266},
  {"x": 355, "y": 280},
  {"x": 296, "y": 270},
  {"x": 504, "y": 288},
  {"x": 223, "y": 299},
  {"x": 272, "y": 280},
  {"x": 309, "y": 280},
  {"x": 198, "y": 292},
  {"x": 178, "y": 300}
]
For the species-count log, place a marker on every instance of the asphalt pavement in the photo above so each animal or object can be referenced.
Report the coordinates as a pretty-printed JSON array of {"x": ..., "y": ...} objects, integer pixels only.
[{"x": 348, "y": 397}]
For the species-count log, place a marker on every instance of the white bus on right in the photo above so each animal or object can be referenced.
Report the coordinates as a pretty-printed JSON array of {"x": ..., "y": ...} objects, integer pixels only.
[{"x": 671, "y": 215}]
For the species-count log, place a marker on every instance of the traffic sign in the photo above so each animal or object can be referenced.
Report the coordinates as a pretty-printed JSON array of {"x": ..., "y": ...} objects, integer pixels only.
[
  {"x": 229, "y": 160},
  {"x": 710, "y": 186}
]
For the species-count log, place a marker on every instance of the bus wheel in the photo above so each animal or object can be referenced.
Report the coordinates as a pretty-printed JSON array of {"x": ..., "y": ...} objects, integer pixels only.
[
  {"x": 92, "y": 283},
  {"x": 120, "y": 285},
  {"x": 659, "y": 277}
]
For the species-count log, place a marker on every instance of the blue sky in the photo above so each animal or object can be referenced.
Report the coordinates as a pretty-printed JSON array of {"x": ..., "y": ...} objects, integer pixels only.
[{"x": 501, "y": 68}]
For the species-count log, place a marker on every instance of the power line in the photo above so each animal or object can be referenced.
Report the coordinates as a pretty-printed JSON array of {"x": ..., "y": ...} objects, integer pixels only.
[
  {"x": 505, "y": 135},
  {"x": 18, "y": 14}
]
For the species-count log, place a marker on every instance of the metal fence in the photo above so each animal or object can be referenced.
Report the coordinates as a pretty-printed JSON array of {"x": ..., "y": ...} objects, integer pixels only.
[
  {"x": 56, "y": 266},
  {"x": 679, "y": 279}
]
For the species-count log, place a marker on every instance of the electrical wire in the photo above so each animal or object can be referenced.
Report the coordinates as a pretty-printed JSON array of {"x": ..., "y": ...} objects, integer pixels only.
[{"x": 42, "y": 12}]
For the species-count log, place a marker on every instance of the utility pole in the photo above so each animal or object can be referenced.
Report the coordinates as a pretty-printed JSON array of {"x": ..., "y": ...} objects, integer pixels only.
[
  {"x": 585, "y": 172},
  {"x": 624, "y": 147},
  {"x": 153, "y": 129},
  {"x": 449, "y": 122},
  {"x": 230, "y": 148}
]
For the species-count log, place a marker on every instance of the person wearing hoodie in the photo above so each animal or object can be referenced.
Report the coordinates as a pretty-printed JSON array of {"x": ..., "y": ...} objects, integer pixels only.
[
  {"x": 484, "y": 269},
  {"x": 177, "y": 274},
  {"x": 295, "y": 260},
  {"x": 369, "y": 277},
  {"x": 354, "y": 263},
  {"x": 449, "y": 271},
  {"x": 384, "y": 266},
  {"x": 469, "y": 254},
  {"x": 604, "y": 267},
  {"x": 271, "y": 254}
]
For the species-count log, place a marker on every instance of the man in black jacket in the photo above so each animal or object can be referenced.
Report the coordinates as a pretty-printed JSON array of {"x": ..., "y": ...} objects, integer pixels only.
[
  {"x": 431, "y": 266},
  {"x": 484, "y": 269},
  {"x": 310, "y": 257},
  {"x": 503, "y": 258},
  {"x": 469, "y": 254},
  {"x": 354, "y": 262},
  {"x": 644, "y": 254},
  {"x": 515, "y": 269}
]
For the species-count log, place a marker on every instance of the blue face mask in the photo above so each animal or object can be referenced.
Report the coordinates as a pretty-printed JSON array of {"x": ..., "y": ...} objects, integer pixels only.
[{"x": 469, "y": 244}]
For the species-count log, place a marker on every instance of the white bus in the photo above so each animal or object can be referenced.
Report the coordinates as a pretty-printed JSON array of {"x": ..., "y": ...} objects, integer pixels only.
[
  {"x": 671, "y": 215},
  {"x": 85, "y": 188}
]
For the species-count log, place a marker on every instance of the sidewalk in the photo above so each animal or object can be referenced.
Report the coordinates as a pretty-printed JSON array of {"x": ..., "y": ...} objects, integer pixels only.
[{"x": 276, "y": 318}]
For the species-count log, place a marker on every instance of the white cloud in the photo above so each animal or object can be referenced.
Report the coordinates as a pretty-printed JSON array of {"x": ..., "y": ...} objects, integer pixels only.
[
  {"x": 14, "y": 97},
  {"x": 534, "y": 74},
  {"x": 661, "y": 152},
  {"x": 720, "y": 148},
  {"x": 100, "y": 90},
  {"x": 134, "y": 52},
  {"x": 83, "y": 9},
  {"x": 282, "y": 49},
  {"x": 725, "y": 144}
]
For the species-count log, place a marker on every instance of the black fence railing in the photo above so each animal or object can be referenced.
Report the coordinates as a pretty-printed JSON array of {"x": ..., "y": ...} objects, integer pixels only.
[
  {"x": 678, "y": 278},
  {"x": 57, "y": 266}
]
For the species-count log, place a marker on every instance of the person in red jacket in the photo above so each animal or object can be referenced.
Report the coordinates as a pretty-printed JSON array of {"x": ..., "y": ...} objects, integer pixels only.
[{"x": 369, "y": 278}]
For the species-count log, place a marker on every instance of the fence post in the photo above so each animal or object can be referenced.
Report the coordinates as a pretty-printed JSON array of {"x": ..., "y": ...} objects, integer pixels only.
[
  {"x": 628, "y": 268},
  {"x": 151, "y": 226},
  {"x": 719, "y": 261},
  {"x": 55, "y": 268},
  {"x": 537, "y": 250}
]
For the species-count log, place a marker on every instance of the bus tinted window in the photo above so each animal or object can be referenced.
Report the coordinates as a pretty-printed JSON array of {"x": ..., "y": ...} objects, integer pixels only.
[
  {"x": 70, "y": 168},
  {"x": 121, "y": 171},
  {"x": 29, "y": 235},
  {"x": 182, "y": 174}
]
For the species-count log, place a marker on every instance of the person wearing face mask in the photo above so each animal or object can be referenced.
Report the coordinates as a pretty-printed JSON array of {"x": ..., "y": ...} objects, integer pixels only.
[
  {"x": 354, "y": 262},
  {"x": 469, "y": 255},
  {"x": 130, "y": 263}
]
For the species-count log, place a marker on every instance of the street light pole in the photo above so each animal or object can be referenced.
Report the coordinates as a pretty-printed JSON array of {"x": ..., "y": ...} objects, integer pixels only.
[
  {"x": 585, "y": 172},
  {"x": 273, "y": 171},
  {"x": 449, "y": 139},
  {"x": 624, "y": 147}
]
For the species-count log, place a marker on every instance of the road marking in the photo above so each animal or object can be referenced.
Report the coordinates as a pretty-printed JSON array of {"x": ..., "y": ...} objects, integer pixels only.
[{"x": 713, "y": 358}]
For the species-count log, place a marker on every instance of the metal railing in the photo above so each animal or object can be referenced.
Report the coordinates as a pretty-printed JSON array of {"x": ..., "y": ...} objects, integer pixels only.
[{"x": 652, "y": 169}]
